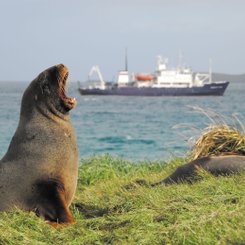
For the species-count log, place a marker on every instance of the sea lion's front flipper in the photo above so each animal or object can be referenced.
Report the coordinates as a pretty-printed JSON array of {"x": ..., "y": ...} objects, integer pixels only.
[{"x": 51, "y": 203}]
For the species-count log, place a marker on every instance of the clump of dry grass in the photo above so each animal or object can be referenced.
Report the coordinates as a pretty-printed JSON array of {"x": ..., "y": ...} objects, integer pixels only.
[{"x": 219, "y": 139}]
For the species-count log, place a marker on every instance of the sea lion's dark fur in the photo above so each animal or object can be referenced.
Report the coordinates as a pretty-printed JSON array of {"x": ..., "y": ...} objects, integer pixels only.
[
  {"x": 39, "y": 171},
  {"x": 221, "y": 165}
]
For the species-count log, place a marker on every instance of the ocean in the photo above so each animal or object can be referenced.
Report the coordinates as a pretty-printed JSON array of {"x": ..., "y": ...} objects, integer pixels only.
[{"x": 134, "y": 128}]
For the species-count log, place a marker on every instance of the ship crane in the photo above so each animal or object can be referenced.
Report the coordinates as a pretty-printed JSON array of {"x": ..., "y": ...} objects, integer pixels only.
[{"x": 95, "y": 69}]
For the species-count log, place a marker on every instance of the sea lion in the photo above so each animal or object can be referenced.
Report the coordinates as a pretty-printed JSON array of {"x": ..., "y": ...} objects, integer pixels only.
[
  {"x": 220, "y": 165},
  {"x": 39, "y": 171}
]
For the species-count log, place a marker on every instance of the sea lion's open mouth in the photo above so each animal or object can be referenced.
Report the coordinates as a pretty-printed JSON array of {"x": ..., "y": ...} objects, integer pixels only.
[{"x": 62, "y": 79}]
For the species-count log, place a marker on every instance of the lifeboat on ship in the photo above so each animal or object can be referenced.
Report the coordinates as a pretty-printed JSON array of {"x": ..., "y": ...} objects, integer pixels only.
[{"x": 144, "y": 77}]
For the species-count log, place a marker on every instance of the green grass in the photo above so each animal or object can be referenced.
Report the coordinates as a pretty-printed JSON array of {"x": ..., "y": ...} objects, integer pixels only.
[{"x": 111, "y": 208}]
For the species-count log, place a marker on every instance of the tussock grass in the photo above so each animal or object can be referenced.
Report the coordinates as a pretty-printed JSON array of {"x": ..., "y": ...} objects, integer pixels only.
[
  {"x": 111, "y": 208},
  {"x": 219, "y": 140},
  {"x": 223, "y": 135}
]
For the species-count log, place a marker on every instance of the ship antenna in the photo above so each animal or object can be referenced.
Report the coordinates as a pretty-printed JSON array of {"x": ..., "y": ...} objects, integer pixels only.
[
  {"x": 180, "y": 59},
  {"x": 126, "y": 59},
  {"x": 210, "y": 70}
]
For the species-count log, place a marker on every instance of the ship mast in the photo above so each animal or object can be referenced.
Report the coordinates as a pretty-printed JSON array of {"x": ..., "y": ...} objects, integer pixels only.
[
  {"x": 210, "y": 70},
  {"x": 180, "y": 59},
  {"x": 126, "y": 59},
  {"x": 123, "y": 77}
]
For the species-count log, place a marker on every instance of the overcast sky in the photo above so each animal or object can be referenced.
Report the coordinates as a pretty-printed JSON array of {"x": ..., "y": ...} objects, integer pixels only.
[{"x": 36, "y": 34}]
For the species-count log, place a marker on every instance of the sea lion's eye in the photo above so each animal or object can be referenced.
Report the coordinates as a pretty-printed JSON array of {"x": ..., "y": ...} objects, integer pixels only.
[{"x": 46, "y": 89}]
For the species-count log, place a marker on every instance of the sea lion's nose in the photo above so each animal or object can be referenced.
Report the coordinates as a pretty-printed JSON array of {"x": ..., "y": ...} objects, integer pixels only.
[{"x": 60, "y": 66}]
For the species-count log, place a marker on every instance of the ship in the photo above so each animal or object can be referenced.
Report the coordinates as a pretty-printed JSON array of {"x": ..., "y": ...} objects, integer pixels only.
[{"x": 165, "y": 81}]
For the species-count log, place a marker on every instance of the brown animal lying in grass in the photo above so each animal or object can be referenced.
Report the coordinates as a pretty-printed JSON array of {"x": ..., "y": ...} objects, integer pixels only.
[{"x": 221, "y": 165}]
